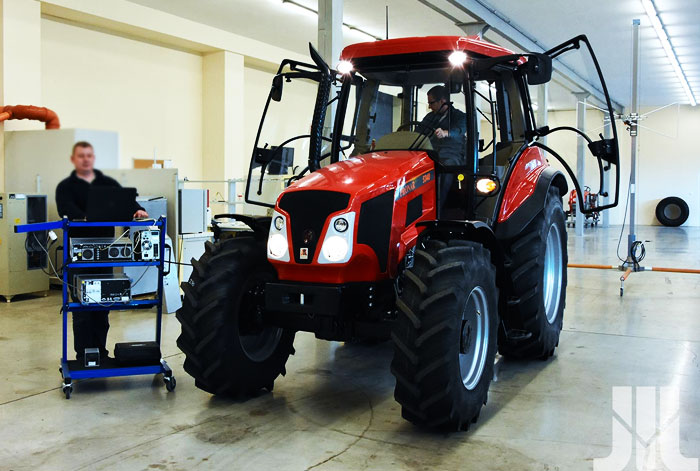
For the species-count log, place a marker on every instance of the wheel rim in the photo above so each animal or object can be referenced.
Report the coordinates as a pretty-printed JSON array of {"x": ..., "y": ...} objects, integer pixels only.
[
  {"x": 258, "y": 342},
  {"x": 474, "y": 338},
  {"x": 552, "y": 273},
  {"x": 672, "y": 211}
]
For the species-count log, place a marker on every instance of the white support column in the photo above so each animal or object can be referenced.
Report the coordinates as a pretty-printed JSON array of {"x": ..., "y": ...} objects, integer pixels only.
[
  {"x": 330, "y": 43},
  {"x": 542, "y": 116},
  {"x": 223, "y": 154},
  {"x": 330, "y": 30},
  {"x": 580, "y": 155}
]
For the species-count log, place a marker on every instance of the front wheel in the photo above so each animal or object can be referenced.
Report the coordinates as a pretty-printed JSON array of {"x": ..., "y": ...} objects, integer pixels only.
[
  {"x": 229, "y": 350},
  {"x": 445, "y": 336}
]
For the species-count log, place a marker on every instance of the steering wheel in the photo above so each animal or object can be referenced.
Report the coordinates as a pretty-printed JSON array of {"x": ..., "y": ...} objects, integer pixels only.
[{"x": 421, "y": 128}]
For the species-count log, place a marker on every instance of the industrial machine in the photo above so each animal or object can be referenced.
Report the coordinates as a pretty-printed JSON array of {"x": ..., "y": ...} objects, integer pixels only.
[
  {"x": 102, "y": 289},
  {"x": 94, "y": 249},
  {"x": 146, "y": 244},
  {"x": 445, "y": 234},
  {"x": 22, "y": 258}
]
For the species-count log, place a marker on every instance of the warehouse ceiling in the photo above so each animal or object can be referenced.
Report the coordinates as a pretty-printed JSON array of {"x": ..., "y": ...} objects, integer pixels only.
[{"x": 607, "y": 24}]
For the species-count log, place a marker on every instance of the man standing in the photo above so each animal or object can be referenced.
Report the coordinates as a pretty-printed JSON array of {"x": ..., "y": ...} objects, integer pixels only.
[{"x": 89, "y": 327}]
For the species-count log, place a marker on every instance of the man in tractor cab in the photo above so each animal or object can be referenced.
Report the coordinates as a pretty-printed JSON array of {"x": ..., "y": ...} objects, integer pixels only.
[
  {"x": 450, "y": 125},
  {"x": 448, "y": 139}
]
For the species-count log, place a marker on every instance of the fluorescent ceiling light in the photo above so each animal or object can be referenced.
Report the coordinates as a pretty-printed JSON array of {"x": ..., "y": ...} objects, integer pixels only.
[
  {"x": 303, "y": 9},
  {"x": 311, "y": 11},
  {"x": 653, "y": 15}
]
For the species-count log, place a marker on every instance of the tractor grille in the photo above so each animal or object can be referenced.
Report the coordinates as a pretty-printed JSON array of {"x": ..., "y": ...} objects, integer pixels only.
[
  {"x": 308, "y": 211},
  {"x": 374, "y": 228}
]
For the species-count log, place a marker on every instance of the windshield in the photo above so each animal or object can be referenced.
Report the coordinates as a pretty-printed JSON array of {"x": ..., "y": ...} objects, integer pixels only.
[
  {"x": 429, "y": 110},
  {"x": 283, "y": 143}
]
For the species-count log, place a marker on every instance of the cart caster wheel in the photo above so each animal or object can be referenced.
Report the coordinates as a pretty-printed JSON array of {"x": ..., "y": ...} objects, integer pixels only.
[
  {"x": 67, "y": 390},
  {"x": 170, "y": 383}
]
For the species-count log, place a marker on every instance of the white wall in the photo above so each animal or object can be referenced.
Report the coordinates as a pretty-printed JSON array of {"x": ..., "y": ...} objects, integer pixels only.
[
  {"x": 667, "y": 166},
  {"x": 150, "y": 95}
]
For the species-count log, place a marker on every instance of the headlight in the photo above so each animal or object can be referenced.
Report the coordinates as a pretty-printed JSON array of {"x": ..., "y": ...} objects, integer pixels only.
[
  {"x": 457, "y": 58},
  {"x": 277, "y": 246},
  {"x": 335, "y": 248},
  {"x": 341, "y": 225},
  {"x": 344, "y": 67},
  {"x": 486, "y": 186},
  {"x": 279, "y": 223},
  {"x": 337, "y": 243}
]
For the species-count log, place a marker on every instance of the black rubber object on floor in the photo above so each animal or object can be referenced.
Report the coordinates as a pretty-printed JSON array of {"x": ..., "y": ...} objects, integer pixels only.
[{"x": 672, "y": 211}]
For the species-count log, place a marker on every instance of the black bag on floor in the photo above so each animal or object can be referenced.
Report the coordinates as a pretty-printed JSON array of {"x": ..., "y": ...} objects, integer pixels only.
[{"x": 137, "y": 353}]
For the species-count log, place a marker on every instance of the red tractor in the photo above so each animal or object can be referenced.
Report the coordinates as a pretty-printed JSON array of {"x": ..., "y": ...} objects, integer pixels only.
[{"x": 444, "y": 233}]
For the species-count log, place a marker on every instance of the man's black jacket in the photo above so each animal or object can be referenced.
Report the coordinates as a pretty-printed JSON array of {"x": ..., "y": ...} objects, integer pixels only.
[{"x": 72, "y": 200}]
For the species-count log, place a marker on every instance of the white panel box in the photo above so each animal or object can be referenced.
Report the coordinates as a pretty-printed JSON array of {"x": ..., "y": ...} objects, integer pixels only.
[{"x": 193, "y": 206}]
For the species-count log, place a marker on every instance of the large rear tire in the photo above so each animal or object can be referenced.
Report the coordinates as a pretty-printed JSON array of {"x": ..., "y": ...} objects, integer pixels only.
[
  {"x": 445, "y": 336},
  {"x": 536, "y": 266},
  {"x": 228, "y": 350}
]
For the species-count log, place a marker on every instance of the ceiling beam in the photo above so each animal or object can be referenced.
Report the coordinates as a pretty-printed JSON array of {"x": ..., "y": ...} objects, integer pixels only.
[{"x": 503, "y": 26}]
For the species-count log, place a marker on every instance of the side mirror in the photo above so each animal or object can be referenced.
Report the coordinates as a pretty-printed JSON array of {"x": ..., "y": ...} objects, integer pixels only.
[
  {"x": 276, "y": 91},
  {"x": 538, "y": 69}
]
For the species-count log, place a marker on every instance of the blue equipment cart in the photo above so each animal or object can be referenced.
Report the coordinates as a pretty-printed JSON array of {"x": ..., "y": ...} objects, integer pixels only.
[{"x": 73, "y": 369}]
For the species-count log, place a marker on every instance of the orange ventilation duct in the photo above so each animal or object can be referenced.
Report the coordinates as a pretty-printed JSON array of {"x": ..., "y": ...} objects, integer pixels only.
[{"x": 37, "y": 113}]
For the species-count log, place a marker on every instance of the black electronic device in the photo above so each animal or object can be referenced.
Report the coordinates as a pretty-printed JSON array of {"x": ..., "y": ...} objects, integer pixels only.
[
  {"x": 111, "y": 203},
  {"x": 278, "y": 159},
  {"x": 97, "y": 289},
  {"x": 93, "y": 249},
  {"x": 92, "y": 357},
  {"x": 137, "y": 353}
]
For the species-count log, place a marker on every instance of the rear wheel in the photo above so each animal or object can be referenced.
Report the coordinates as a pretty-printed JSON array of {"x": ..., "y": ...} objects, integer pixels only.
[
  {"x": 228, "y": 349},
  {"x": 537, "y": 271},
  {"x": 445, "y": 336}
]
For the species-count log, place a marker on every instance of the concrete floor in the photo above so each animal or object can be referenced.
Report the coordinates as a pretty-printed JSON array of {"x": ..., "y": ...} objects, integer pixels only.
[{"x": 335, "y": 408}]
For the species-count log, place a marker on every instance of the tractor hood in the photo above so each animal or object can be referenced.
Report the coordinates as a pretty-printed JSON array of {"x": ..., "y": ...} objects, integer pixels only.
[
  {"x": 366, "y": 175},
  {"x": 360, "y": 207}
]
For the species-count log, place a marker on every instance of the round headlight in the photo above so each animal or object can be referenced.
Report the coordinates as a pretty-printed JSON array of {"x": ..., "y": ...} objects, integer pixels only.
[
  {"x": 279, "y": 223},
  {"x": 344, "y": 67},
  {"x": 340, "y": 225},
  {"x": 277, "y": 246},
  {"x": 335, "y": 248}
]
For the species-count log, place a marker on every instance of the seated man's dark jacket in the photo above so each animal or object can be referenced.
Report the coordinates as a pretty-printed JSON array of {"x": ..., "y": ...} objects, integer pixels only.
[
  {"x": 72, "y": 201},
  {"x": 450, "y": 148}
]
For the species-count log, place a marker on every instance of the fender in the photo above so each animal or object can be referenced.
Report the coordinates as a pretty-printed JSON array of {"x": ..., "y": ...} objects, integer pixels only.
[
  {"x": 476, "y": 231},
  {"x": 260, "y": 225},
  {"x": 533, "y": 205}
]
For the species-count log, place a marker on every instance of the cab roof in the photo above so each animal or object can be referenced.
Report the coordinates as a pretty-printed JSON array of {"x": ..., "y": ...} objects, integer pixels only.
[{"x": 390, "y": 47}]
